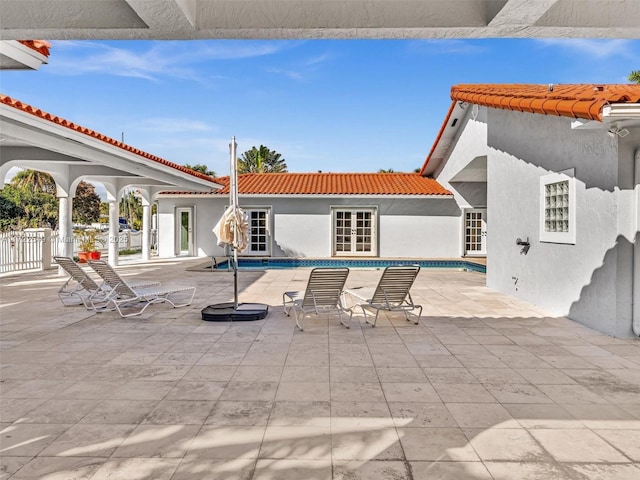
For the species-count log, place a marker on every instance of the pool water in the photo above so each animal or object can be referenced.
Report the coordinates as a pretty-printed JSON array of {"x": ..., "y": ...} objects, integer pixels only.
[{"x": 286, "y": 263}]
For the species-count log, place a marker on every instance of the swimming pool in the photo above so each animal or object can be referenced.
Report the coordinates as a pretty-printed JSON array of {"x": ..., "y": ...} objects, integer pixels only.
[{"x": 286, "y": 263}]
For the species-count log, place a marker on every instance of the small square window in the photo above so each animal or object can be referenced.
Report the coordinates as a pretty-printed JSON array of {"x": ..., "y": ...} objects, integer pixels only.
[{"x": 557, "y": 208}]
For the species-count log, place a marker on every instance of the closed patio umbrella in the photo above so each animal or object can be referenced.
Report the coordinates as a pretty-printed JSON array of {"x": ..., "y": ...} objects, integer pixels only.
[{"x": 233, "y": 230}]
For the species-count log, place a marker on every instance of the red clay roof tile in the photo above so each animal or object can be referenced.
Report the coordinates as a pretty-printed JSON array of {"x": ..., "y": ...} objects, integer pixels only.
[
  {"x": 40, "y": 46},
  {"x": 574, "y": 101},
  {"x": 18, "y": 105},
  {"x": 331, "y": 184}
]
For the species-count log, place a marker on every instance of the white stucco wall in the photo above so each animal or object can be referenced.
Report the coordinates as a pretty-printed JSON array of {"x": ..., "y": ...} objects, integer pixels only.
[
  {"x": 301, "y": 227},
  {"x": 589, "y": 281},
  {"x": 469, "y": 144}
]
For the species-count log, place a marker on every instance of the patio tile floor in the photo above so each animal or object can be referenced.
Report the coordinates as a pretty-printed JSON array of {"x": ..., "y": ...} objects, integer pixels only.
[{"x": 485, "y": 387}]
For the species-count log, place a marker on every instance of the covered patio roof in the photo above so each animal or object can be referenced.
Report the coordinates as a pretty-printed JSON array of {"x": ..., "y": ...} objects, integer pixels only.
[
  {"x": 31, "y": 138},
  {"x": 35, "y": 139},
  {"x": 197, "y": 19}
]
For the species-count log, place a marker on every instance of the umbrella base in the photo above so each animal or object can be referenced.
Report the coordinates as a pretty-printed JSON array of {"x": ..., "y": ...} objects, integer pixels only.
[{"x": 224, "y": 312}]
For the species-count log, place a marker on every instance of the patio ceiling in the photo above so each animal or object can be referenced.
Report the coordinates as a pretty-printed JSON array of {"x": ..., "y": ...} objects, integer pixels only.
[{"x": 197, "y": 19}]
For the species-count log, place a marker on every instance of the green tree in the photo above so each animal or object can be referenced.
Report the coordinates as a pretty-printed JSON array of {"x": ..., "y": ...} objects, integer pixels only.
[
  {"x": 386, "y": 170},
  {"x": 36, "y": 208},
  {"x": 10, "y": 212},
  {"x": 86, "y": 204},
  {"x": 34, "y": 180},
  {"x": 131, "y": 209},
  {"x": 634, "y": 76},
  {"x": 201, "y": 168},
  {"x": 261, "y": 160}
]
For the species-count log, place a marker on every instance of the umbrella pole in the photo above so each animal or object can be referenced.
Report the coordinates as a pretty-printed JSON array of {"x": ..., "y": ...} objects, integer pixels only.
[
  {"x": 233, "y": 191},
  {"x": 225, "y": 312},
  {"x": 235, "y": 279}
]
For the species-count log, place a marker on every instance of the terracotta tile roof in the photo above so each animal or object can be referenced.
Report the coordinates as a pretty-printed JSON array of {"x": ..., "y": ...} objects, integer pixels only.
[
  {"x": 331, "y": 184},
  {"x": 4, "y": 99},
  {"x": 574, "y": 101},
  {"x": 40, "y": 46}
]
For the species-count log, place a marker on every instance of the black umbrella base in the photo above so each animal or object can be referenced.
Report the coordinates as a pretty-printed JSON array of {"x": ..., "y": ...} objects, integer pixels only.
[{"x": 224, "y": 312}]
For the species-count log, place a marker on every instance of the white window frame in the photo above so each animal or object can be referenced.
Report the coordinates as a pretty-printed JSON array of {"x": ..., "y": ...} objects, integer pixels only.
[
  {"x": 267, "y": 252},
  {"x": 568, "y": 237}
]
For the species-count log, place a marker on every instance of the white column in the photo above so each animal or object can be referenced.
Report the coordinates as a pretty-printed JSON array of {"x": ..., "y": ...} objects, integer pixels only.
[
  {"x": 65, "y": 226},
  {"x": 114, "y": 232},
  {"x": 146, "y": 230},
  {"x": 46, "y": 249},
  {"x": 636, "y": 250}
]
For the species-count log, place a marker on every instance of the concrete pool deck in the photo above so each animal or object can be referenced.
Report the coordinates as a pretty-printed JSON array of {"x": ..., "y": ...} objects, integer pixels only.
[{"x": 486, "y": 387}]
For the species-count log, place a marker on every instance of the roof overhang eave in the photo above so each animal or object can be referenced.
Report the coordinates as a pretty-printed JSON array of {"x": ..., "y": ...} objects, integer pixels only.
[
  {"x": 443, "y": 141},
  {"x": 21, "y": 54},
  {"x": 140, "y": 165},
  {"x": 616, "y": 115}
]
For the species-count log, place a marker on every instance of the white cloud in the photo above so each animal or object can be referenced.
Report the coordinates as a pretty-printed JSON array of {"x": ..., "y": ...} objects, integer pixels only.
[
  {"x": 157, "y": 60},
  {"x": 318, "y": 59},
  {"x": 598, "y": 48},
  {"x": 302, "y": 69},
  {"x": 292, "y": 74}
]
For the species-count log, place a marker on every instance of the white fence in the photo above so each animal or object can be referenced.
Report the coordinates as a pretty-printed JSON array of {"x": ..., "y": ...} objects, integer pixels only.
[
  {"x": 34, "y": 248},
  {"x": 25, "y": 250}
]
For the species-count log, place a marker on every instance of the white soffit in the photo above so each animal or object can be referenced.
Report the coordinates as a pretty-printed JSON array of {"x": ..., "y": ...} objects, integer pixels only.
[
  {"x": 198, "y": 19},
  {"x": 474, "y": 171}
]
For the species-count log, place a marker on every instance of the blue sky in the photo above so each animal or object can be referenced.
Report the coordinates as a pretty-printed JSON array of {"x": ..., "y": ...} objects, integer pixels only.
[{"x": 330, "y": 105}]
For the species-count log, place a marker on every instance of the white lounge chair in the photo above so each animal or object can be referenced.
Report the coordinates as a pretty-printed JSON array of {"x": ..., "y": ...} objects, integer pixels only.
[
  {"x": 121, "y": 294},
  {"x": 79, "y": 285},
  {"x": 391, "y": 294},
  {"x": 323, "y": 294}
]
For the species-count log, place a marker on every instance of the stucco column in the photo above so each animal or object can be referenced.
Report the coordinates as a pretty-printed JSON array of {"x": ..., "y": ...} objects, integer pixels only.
[
  {"x": 636, "y": 249},
  {"x": 65, "y": 226},
  {"x": 146, "y": 230},
  {"x": 114, "y": 232}
]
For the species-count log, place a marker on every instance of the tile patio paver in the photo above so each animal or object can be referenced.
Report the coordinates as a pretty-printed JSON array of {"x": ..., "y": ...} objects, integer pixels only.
[{"x": 485, "y": 387}]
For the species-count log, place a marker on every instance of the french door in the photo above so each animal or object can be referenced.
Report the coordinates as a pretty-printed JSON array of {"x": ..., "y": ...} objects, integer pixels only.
[
  {"x": 259, "y": 243},
  {"x": 184, "y": 232},
  {"x": 354, "y": 232},
  {"x": 475, "y": 232}
]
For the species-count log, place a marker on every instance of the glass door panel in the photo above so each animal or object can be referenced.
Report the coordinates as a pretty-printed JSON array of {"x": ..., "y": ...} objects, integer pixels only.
[
  {"x": 184, "y": 234},
  {"x": 354, "y": 232},
  {"x": 343, "y": 232},
  {"x": 475, "y": 232},
  {"x": 184, "y": 231},
  {"x": 258, "y": 232}
]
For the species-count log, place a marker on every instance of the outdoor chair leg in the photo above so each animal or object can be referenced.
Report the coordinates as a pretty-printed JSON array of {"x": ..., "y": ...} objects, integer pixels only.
[
  {"x": 417, "y": 320},
  {"x": 375, "y": 319},
  {"x": 348, "y": 322},
  {"x": 299, "y": 322}
]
